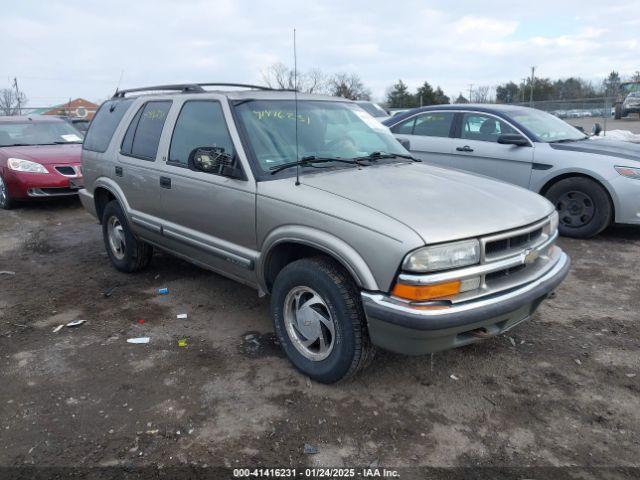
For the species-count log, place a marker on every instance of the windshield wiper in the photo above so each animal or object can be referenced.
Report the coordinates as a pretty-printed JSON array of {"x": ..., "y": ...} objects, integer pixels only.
[
  {"x": 64, "y": 143},
  {"x": 312, "y": 159},
  {"x": 380, "y": 155},
  {"x": 18, "y": 145},
  {"x": 566, "y": 140}
]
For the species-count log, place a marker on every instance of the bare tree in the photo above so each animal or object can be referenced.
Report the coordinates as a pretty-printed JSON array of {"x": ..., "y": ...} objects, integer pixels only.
[
  {"x": 279, "y": 75},
  {"x": 349, "y": 85},
  {"x": 11, "y": 102},
  {"x": 481, "y": 94}
]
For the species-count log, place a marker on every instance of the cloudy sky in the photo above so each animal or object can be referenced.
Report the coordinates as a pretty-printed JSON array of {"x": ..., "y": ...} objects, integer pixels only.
[{"x": 65, "y": 48}]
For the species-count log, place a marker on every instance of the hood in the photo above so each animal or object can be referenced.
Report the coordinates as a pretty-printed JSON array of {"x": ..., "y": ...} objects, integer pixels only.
[
  {"x": 45, "y": 154},
  {"x": 438, "y": 204},
  {"x": 609, "y": 148}
]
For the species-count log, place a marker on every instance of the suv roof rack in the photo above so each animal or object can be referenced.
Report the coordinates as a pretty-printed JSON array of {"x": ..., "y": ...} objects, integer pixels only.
[{"x": 190, "y": 88}]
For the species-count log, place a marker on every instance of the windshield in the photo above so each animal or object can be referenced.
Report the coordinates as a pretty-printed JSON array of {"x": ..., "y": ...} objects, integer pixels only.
[
  {"x": 325, "y": 129},
  {"x": 37, "y": 133},
  {"x": 546, "y": 127},
  {"x": 373, "y": 109},
  {"x": 630, "y": 87}
]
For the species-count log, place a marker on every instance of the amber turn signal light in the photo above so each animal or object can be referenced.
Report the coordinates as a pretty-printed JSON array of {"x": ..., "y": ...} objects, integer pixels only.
[{"x": 426, "y": 292}]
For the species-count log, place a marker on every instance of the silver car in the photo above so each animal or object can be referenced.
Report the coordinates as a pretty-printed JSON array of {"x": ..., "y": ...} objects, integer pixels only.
[
  {"x": 592, "y": 183},
  {"x": 313, "y": 201}
]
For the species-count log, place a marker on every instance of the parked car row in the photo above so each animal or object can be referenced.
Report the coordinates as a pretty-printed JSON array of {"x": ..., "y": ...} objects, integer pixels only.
[
  {"x": 360, "y": 242},
  {"x": 592, "y": 183}
]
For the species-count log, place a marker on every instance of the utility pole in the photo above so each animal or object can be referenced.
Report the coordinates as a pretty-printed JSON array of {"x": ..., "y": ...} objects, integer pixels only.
[
  {"x": 470, "y": 89},
  {"x": 533, "y": 78},
  {"x": 15, "y": 84}
]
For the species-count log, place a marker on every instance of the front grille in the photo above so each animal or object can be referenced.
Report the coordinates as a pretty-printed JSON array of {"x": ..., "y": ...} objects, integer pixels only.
[
  {"x": 510, "y": 245},
  {"x": 66, "y": 170}
]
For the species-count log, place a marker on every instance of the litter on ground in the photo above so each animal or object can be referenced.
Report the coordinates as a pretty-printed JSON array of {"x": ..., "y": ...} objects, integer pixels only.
[
  {"x": 181, "y": 315},
  {"x": 138, "y": 340},
  {"x": 58, "y": 328},
  {"x": 163, "y": 291},
  {"x": 182, "y": 342},
  {"x": 75, "y": 323}
]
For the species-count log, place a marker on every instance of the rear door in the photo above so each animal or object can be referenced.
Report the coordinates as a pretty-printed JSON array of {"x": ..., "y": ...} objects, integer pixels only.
[
  {"x": 429, "y": 135},
  {"x": 476, "y": 149},
  {"x": 208, "y": 217},
  {"x": 138, "y": 166}
]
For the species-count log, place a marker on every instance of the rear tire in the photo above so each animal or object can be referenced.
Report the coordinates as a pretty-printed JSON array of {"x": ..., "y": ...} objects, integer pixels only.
[
  {"x": 314, "y": 298},
  {"x": 583, "y": 205},
  {"x": 6, "y": 202},
  {"x": 126, "y": 252}
]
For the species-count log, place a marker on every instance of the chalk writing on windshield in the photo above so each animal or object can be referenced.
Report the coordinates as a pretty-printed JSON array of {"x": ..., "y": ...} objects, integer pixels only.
[{"x": 280, "y": 115}]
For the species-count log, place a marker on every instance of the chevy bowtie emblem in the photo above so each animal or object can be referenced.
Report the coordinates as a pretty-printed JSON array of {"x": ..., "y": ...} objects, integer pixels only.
[{"x": 530, "y": 256}]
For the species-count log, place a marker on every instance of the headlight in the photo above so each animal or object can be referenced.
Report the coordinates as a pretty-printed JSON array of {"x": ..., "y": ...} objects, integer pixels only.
[
  {"x": 19, "y": 165},
  {"x": 553, "y": 222},
  {"x": 443, "y": 257},
  {"x": 629, "y": 172}
]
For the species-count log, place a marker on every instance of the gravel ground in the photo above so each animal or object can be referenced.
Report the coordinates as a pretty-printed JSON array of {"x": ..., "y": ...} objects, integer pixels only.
[{"x": 560, "y": 390}]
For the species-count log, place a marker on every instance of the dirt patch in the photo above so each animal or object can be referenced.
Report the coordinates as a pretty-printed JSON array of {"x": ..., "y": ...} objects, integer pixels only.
[{"x": 560, "y": 390}]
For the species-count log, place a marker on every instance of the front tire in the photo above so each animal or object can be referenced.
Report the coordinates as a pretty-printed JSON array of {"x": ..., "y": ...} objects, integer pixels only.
[
  {"x": 126, "y": 252},
  {"x": 617, "y": 112},
  {"x": 6, "y": 202},
  {"x": 583, "y": 206},
  {"x": 319, "y": 320}
]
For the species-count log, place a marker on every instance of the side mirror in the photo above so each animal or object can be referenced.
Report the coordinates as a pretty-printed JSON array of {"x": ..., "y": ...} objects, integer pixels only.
[
  {"x": 513, "y": 139},
  {"x": 595, "y": 131},
  {"x": 405, "y": 143},
  {"x": 214, "y": 160}
]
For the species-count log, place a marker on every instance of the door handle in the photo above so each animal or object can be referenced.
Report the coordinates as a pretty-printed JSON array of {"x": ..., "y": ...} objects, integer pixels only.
[
  {"x": 466, "y": 148},
  {"x": 165, "y": 182},
  {"x": 118, "y": 171}
]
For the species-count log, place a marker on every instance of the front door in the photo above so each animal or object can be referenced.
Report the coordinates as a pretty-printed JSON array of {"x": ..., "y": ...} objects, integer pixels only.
[
  {"x": 477, "y": 150},
  {"x": 208, "y": 217}
]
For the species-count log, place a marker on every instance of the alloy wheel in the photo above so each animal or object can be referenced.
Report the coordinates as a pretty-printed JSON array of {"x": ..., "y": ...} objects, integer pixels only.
[
  {"x": 117, "y": 241},
  {"x": 309, "y": 323},
  {"x": 3, "y": 192}
]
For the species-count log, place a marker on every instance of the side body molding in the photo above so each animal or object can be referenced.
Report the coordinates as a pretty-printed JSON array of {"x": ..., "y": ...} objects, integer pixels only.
[{"x": 334, "y": 246}]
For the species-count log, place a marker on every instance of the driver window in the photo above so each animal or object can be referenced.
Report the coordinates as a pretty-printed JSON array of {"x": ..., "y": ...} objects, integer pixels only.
[
  {"x": 201, "y": 123},
  {"x": 484, "y": 128}
]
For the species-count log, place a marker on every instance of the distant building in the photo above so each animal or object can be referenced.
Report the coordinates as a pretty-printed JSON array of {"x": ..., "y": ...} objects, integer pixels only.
[{"x": 78, "y": 108}]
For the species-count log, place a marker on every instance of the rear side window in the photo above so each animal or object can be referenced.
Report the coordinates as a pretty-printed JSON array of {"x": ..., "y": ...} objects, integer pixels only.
[
  {"x": 201, "y": 123},
  {"x": 104, "y": 124},
  {"x": 429, "y": 124},
  {"x": 143, "y": 135}
]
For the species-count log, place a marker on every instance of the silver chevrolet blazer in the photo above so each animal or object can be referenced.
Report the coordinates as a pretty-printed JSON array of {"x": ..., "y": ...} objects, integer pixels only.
[{"x": 311, "y": 200}]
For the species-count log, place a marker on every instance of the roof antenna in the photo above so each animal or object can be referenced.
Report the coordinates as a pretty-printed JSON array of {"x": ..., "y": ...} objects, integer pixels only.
[
  {"x": 295, "y": 101},
  {"x": 119, "y": 81}
]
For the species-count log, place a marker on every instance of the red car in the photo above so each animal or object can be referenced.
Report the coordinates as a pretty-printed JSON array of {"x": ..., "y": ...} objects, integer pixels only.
[{"x": 39, "y": 158}]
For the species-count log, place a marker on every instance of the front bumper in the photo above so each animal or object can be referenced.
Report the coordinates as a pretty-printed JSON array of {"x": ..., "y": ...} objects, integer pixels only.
[
  {"x": 410, "y": 330},
  {"x": 626, "y": 194},
  {"x": 23, "y": 185}
]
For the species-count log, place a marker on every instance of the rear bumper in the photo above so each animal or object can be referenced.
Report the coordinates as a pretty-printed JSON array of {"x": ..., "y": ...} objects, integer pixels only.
[{"x": 410, "y": 330}]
